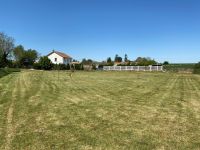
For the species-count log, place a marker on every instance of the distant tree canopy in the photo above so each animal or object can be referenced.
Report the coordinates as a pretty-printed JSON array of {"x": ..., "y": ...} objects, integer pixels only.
[
  {"x": 165, "y": 63},
  {"x": 6, "y": 47},
  {"x": 126, "y": 58},
  {"x": 24, "y": 58},
  {"x": 197, "y": 68},
  {"x": 109, "y": 60},
  {"x": 18, "y": 52},
  {"x": 142, "y": 61},
  {"x": 118, "y": 58},
  {"x": 87, "y": 62}
]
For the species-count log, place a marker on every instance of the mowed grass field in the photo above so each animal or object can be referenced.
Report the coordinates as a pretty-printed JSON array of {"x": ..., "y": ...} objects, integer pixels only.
[{"x": 99, "y": 110}]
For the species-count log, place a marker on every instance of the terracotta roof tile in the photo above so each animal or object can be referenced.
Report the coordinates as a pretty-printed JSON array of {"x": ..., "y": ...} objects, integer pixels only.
[{"x": 60, "y": 54}]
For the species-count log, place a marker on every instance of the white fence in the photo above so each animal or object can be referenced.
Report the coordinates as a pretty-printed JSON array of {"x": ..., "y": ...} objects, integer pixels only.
[{"x": 133, "y": 68}]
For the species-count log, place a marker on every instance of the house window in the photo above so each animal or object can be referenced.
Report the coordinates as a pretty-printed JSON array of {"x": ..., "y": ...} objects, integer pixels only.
[{"x": 55, "y": 59}]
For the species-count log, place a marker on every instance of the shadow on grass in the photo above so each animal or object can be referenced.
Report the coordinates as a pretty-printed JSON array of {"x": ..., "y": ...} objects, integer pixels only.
[{"x": 7, "y": 71}]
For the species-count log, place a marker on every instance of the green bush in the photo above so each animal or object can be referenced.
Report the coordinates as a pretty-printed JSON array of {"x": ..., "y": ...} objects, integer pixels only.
[
  {"x": 37, "y": 66},
  {"x": 61, "y": 67},
  {"x": 45, "y": 63},
  {"x": 78, "y": 67},
  {"x": 6, "y": 71},
  {"x": 197, "y": 68}
]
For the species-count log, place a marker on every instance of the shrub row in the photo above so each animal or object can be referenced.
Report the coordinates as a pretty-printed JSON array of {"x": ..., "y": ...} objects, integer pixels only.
[
  {"x": 197, "y": 68},
  {"x": 59, "y": 67},
  {"x": 6, "y": 71}
]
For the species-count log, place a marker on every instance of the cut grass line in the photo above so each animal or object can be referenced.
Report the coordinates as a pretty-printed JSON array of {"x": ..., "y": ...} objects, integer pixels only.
[{"x": 10, "y": 129}]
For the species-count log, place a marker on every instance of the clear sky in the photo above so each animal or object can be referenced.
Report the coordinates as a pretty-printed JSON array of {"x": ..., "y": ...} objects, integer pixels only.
[{"x": 160, "y": 29}]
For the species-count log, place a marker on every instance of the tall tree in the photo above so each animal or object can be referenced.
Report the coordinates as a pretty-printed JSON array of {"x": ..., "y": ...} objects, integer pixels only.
[
  {"x": 18, "y": 52},
  {"x": 126, "y": 58},
  {"x": 116, "y": 57},
  {"x": 109, "y": 60},
  {"x": 6, "y": 47},
  {"x": 29, "y": 57}
]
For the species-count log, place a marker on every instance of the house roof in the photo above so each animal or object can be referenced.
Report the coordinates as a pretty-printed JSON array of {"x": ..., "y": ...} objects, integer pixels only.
[{"x": 60, "y": 54}]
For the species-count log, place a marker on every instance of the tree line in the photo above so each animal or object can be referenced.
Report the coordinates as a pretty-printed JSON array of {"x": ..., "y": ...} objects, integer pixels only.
[
  {"x": 18, "y": 57},
  {"x": 140, "y": 61}
]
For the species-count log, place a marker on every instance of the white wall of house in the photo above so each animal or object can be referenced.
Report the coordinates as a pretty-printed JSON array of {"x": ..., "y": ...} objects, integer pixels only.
[{"x": 55, "y": 58}]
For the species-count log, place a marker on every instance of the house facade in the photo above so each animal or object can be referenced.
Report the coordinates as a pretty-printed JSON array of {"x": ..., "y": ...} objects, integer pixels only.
[{"x": 57, "y": 57}]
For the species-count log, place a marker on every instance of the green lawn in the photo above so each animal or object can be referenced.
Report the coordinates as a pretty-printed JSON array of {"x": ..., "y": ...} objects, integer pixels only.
[{"x": 99, "y": 110}]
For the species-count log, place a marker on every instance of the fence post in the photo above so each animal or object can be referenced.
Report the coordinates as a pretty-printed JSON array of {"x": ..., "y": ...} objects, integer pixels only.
[{"x": 138, "y": 68}]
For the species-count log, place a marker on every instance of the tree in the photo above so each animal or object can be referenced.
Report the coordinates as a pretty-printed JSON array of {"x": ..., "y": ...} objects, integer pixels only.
[
  {"x": 126, "y": 58},
  {"x": 142, "y": 61},
  {"x": 29, "y": 57},
  {"x": 45, "y": 63},
  {"x": 6, "y": 47},
  {"x": 87, "y": 62},
  {"x": 118, "y": 58},
  {"x": 109, "y": 60},
  {"x": 18, "y": 54},
  {"x": 165, "y": 63},
  {"x": 197, "y": 68}
]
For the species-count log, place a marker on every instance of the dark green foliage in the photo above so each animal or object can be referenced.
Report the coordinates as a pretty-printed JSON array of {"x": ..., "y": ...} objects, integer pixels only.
[
  {"x": 45, "y": 63},
  {"x": 142, "y": 61},
  {"x": 197, "y": 68},
  {"x": 118, "y": 58},
  {"x": 126, "y": 58},
  {"x": 67, "y": 67},
  {"x": 18, "y": 52},
  {"x": 28, "y": 58},
  {"x": 24, "y": 58},
  {"x": 78, "y": 66},
  {"x": 109, "y": 62},
  {"x": 37, "y": 66},
  {"x": 61, "y": 67},
  {"x": 165, "y": 63},
  {"x": 87, "y": 61},
  {"x": 6, "y": 71},
  {"x": 94, "y": 67}
]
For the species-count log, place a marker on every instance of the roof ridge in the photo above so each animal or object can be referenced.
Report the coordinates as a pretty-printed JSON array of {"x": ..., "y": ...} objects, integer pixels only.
[{"x": 60, "y": 54}]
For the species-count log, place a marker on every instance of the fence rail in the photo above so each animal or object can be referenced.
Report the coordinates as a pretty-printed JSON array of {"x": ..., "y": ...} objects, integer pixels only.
[{"x": 133, "y": 68}]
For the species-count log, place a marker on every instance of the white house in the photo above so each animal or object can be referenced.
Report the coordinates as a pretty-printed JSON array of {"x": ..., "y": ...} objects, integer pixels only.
[{"x": 59, "y": 58}]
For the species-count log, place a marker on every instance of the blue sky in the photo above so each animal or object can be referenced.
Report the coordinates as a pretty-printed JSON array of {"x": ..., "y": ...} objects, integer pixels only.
[{"x": 160, "y": 29}]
